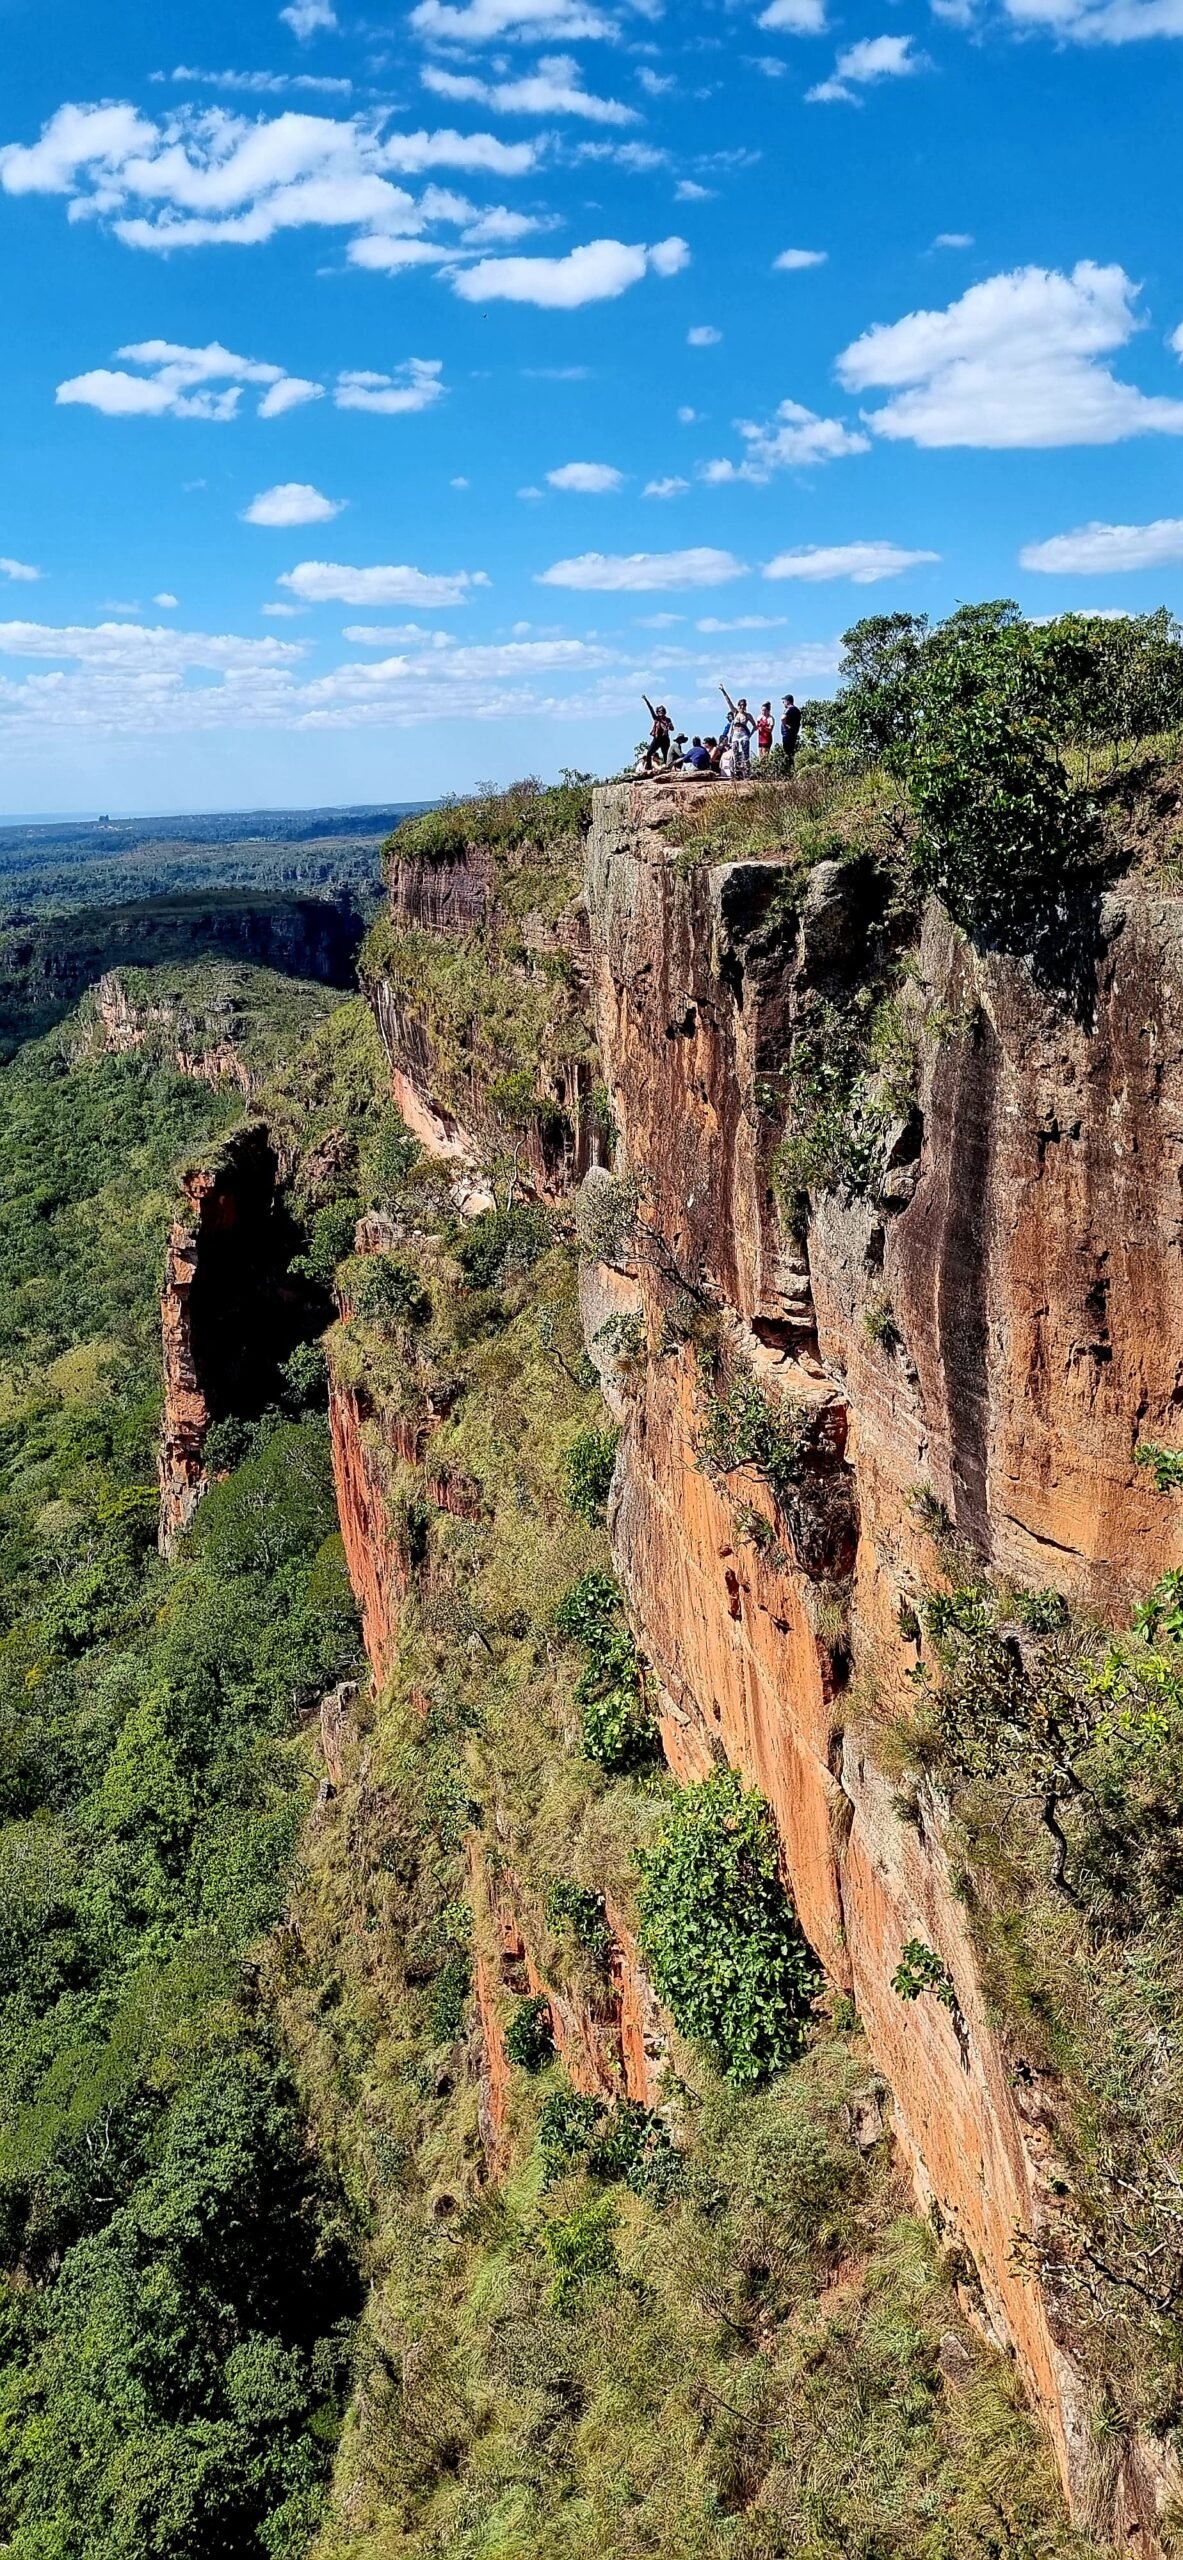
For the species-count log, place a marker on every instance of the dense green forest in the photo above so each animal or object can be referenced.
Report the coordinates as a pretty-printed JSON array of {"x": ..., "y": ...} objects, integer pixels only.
[
  {"x": 178, "y": 2293},
  {"x": 55, "y": 865}
]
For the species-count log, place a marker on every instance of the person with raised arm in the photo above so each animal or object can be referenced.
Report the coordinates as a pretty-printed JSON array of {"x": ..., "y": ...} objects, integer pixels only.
[
  {"x": 740, "y": 734},
  {"x": 661, "y": 734}
]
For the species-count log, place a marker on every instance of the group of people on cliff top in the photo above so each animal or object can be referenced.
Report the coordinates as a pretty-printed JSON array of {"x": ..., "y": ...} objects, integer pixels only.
[{"x": 731, "y": 753}]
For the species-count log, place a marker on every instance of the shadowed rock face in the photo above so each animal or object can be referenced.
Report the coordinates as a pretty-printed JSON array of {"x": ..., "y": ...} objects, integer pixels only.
[
  {"x": 1027, "y": 1239},
  {"x": 231, "y": 1312},
  {"x": 444, "y": 1099}
]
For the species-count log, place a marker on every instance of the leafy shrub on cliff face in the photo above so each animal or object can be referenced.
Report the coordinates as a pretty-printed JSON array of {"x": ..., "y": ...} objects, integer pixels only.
[
  {"x": 528, "y": 2038},
  {"x": 590, "y": 1465},
  {"x": 575, "y": 1907},
  {"x": 1166, "y": 1465},
  {"x": 385, "y": 1290},
  {"x": 743, "y": 1431},
  {"x": 502, "y": 1244},
  {"x": 618, "y": 1725},
  {"x": 719, "y": 1933},
  {"x": 612, "y": 2140}
]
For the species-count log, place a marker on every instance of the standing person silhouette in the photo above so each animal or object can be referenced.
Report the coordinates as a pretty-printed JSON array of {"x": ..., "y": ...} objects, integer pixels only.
[
  {"x": 740, "y": 736},
  {"x": 660, "y": 735},
  {"x": 764, "y": 731},
  {"x": 790, "y": 729}
]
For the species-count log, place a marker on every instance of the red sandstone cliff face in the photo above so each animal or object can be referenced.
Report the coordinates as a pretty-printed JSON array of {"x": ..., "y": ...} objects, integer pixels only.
[
  {"x": 1029, "y": 1248},
  {"x": 1027, "y": 1241},
  {"x": 376, "y": 1567},
  {"x": 222, "y": 1313},
  {"x": 613, "y": 2041},
  {"x": 186, "y": 1417}
]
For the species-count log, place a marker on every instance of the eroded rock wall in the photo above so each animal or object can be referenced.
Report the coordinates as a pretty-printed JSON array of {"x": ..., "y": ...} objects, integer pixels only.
[
  {"x": 442, "y": 1088},
  {"x": 1026, "y": 1244},
  {"x": 375, "y": 1563},
  {"x": 231, "y": 1310},
  {"x": 123, "y": 1028}
]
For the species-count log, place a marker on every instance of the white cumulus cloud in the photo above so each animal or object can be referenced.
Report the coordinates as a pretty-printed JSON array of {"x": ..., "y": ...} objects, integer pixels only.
[
  {"x": 794, "y": 17},
  {"x": 873, "y": 58},
  {"x": 865, "y": 563},
  {"x": 795, "y": 438},
  {"x": 598, "y": 272},
  {"x": 671, "y": 487},
  {"x": 792, "y": 262},
  {"x": 417, "y": 385},
  {"x": 179, "y": 382},
  {"x": 484, "y": 21},
  {"x": 19, "y": 571},
  {"x": 642, "y": 572},
  {"x": 292, "y": 393},
  {"x": 292, "y": 502},
  {"x": 1098, "y": 550},
  {"x": 555, "y": 88},
  {"x": 1099, "y": 21},
  {"x": 310, "y": 18},
  {"x": 202, "y": 177},
  {"x": 329, "y": 582},
  {"x": 1017, "y": 361},
  {"x": 587, "y": 479},
  {"x": 704, "y": 336}
]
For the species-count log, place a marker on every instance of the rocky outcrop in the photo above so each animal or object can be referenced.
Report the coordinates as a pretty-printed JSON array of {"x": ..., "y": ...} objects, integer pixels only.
[
  {"x": 377, "y": 1568},
  {"x": 612, "y": 2035},
  {"x": 186, "y": 1415},
  {"x": 124, "y": 1028},
  {"x": 442, "y": 1086}
]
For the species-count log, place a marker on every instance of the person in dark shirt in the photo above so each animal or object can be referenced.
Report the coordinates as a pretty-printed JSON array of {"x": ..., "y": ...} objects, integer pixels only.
[
  {"x": 661, "y": 736},
  {"x": 697, "y": 758},
  {"x": 790, "y": 729}
]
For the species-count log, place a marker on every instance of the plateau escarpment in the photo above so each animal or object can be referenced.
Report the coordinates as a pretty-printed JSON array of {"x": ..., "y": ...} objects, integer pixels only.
[{"x": 879, "y": 1272}]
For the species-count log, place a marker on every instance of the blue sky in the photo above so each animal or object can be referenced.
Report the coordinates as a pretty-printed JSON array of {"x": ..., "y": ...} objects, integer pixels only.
[{"x": 393, "y": 395}]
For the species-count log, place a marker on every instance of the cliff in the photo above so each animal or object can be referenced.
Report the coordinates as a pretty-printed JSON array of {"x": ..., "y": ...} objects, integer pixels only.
[
  {"x": 46, "y": 964},
  {"x": 232, "y": 1310},
  {"x": 868, "y": 1328},
  {"x": 1025, "y": 1240},
  {"x": 217, "y": 1022}
]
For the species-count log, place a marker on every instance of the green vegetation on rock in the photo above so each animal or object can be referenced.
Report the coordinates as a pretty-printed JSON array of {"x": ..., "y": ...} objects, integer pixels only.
[{"x": 178, "y": 2285}]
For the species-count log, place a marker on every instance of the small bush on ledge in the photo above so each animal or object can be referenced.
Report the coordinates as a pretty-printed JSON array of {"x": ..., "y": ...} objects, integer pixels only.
[
  {"x": 575, "y": 1907},
  {"x": 720, "y": 1937},
  {"x": 618, "y": 1727},
  {"x": 589, "y": 1466},
  {"x": 743, "y": 1431},
  {"x": 528, "y": 2038}
]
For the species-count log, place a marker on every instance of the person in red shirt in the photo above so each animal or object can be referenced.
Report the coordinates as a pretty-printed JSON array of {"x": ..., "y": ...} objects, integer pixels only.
[{"x": 764, "y": 731}]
